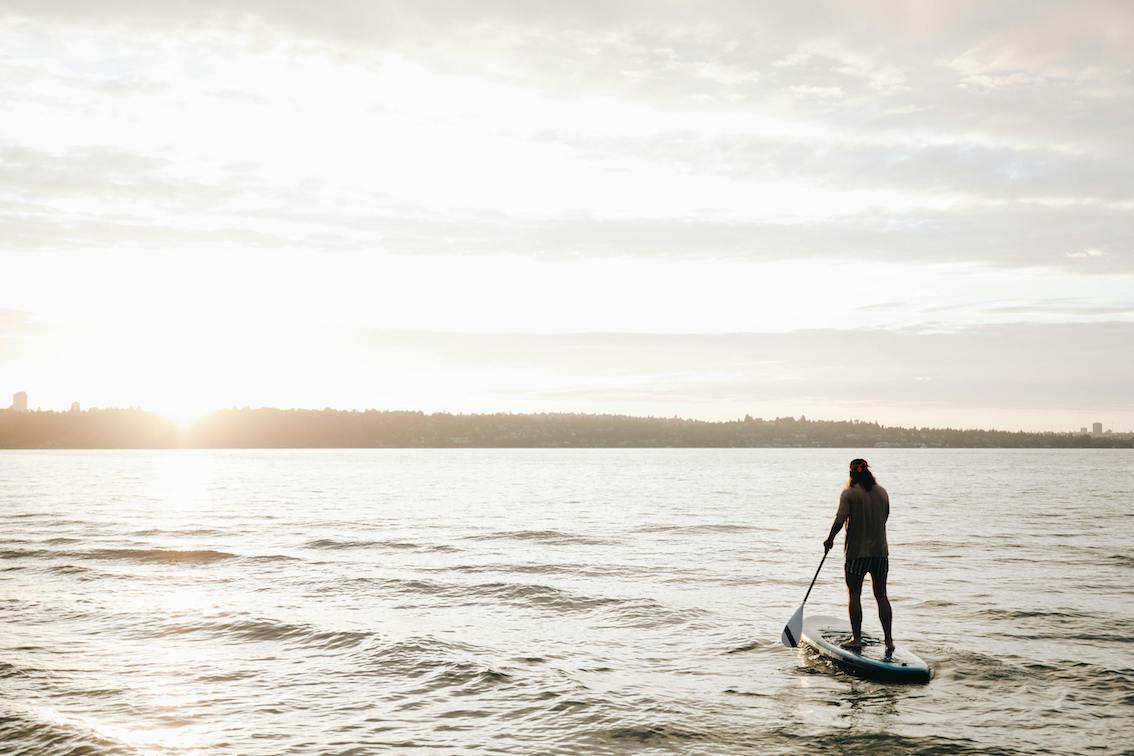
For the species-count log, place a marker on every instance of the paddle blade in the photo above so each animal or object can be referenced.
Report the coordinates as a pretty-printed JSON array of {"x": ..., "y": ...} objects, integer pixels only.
[{"x": 792, "y": 630}]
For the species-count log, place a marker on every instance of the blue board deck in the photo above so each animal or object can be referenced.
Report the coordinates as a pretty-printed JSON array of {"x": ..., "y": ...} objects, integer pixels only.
[{"x": 827, "y": 634}]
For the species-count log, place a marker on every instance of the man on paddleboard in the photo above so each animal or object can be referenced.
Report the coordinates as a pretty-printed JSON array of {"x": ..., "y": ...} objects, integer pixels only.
[{"x": 864, "y": 507}]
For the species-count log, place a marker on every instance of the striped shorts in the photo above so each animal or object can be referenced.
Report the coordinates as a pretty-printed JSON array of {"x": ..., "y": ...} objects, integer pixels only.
[{"x": 876, "y": 567}]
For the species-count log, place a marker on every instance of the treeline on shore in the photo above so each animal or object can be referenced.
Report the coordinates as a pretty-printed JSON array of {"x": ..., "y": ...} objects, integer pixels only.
[{"x": 276, "y": 428}]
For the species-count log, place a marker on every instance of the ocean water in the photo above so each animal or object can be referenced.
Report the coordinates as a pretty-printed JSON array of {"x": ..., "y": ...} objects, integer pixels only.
[{"x": 553, "y": 601}]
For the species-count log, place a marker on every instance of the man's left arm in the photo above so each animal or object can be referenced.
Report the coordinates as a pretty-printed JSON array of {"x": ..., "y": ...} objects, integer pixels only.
[{"x": 837, "y": 525}]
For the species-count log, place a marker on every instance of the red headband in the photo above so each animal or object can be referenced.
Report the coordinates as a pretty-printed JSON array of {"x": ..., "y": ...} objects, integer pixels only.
[{"x": 859, "y": 466}]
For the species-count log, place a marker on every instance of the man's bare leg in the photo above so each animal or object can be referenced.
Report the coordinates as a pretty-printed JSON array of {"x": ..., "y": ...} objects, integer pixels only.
[
  {"x": 884, "y": 612},
  {"x": 854, "y": 606}
]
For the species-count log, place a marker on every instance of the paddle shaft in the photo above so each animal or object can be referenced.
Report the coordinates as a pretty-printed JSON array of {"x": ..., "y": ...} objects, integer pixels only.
[{"x": 824, "y": 559}]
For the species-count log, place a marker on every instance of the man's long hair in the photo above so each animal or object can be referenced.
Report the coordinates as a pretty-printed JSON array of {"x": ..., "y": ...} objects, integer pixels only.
[{"x": 860, "y": 475}]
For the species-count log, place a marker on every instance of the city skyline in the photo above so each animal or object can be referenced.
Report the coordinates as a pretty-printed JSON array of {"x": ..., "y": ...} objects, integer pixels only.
[{"x": 912, "y": 213}]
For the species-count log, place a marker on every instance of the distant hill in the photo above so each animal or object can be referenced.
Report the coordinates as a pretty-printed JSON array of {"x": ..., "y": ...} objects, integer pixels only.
[{"x": 276, "y": 428}]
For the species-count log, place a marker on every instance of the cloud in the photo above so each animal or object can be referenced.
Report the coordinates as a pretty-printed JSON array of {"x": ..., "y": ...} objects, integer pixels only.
[
  {"x": 687, "y": 115},
  {"x": 1038, "y": 368},
  {"x": 819, "y": 93}
]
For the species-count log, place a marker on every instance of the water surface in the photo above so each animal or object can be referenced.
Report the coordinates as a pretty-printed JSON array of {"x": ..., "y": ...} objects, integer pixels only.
[{"x": 552, "y": 601}]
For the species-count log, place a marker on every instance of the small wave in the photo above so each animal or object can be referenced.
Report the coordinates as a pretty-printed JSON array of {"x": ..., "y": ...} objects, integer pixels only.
[
  {"x": 1072, "y": 624},
  {"x": 333, "y": 544},
  {"x": 551, "y": 537},
  {"x": 1109, "y": 689},
  {"x": 186, "y": 532},
  {"x": 653, "y": 735},
  {"x": 254, "y": 629},
  {"x": 649, "y": 613},
  {"x": 70, "y": 569},
  {"x": 1122, "y": 560},
  {"x": 1022, "y": 614},
  {"x": 24, "y": 553},
  {"x": 46, "y": 731},
  {"x": 624, "y": 612},
  {"x": 103, "y": 692},
  {"x": 519, "y": 594},
  {"x": 530, "y": 660},
  {"x": 11, "y": 670},
  {"x": 543, "y": 596},
  {"x": 1103, "y": 678},
  {"x": 60, "y": 541},
  {"x": 692, "y": 529},
  {"x": 138, "y": 555},
  {"x": 469, "y": 677},
  {"x": 436, "y": 664},
  {"x": 975, "y": 666},
  {"x": 424, "y": 647},
  {"x": 597, "y": 570},
  {"x": 1117, "y": 638},
  {"x": 224, "y": 677},
  {"x": 171, "y": 556},
  {"x": 748, "y": 693},
  {"x": 410, "y": 586},
  {"x": 876, "y": 742},
  {"x": 330, "y": 543},
  {"x": 931, "y": 544},
  {"x": 756, "y": 645}
]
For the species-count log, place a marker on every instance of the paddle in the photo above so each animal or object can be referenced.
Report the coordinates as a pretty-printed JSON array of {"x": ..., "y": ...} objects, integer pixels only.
[{"x": 790, "y": 635}]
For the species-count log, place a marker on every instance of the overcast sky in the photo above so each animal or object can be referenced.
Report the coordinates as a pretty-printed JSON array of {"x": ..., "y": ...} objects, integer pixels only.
[{"x": 916, "y": 213}]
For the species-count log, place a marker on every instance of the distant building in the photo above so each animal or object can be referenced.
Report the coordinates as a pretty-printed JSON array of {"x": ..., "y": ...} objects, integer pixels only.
[
  {"x": 20, "y": 401},
  {"x": 1084, "y": 430},
  {"x": 74, "y": 406},
  {"x": 1096, "y": 428}
]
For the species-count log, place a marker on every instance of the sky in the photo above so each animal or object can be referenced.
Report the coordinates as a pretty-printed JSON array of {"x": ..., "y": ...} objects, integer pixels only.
[{"x": 916, "y": 213}]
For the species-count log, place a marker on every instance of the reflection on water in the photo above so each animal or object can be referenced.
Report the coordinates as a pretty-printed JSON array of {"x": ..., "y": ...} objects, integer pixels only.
[
  {"x": 551, "y": 601},
  {"x": 872, "y": 704}
]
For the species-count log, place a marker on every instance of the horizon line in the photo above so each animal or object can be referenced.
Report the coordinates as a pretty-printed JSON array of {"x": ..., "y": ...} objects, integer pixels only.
[{"x": 199, "y": 417}]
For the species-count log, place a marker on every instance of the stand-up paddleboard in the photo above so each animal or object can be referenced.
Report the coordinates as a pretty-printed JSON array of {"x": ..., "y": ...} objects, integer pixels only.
[{"x": 827, "y": 634}]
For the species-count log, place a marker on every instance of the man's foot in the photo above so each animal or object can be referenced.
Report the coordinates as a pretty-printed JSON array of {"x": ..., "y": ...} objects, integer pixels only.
[
  {"x": 853, "y": 645},
  {"x": 889, "y": 647}
]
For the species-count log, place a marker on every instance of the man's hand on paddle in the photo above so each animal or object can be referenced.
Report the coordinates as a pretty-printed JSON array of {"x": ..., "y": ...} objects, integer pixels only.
[{"x": 836, "y": 526}]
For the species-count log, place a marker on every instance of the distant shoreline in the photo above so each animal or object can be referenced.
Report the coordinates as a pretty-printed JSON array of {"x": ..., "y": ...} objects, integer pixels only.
[{"x": 375, "y": 429}]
